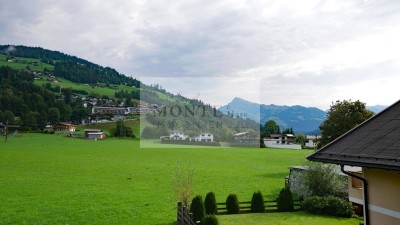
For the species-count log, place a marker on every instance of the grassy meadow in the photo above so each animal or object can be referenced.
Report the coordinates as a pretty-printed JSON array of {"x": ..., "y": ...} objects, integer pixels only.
[
  {"x": 89, "y": 89},
  {"x": 51, "y": 179},
  {"x": 292, "y": 218},
  {"x": 26, "y": 62}
]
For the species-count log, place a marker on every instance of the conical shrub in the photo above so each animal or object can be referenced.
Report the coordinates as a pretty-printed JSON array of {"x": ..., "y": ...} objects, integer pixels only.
[
  {"x": 211, "y": 220},
  {"x": 285, "y": 201},
  {"x": 232, "y": 204},
  {"x": 197, "y": 208},
  {"x": 257, "y": 203},
  {"x": 210, "y": 204}
]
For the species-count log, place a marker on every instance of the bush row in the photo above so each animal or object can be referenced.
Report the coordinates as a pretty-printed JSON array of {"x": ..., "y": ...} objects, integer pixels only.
[
  {"x": 209, "y": 207},
  {"x": 330, "y": 205},
  {"x": 204, "y": 211}
]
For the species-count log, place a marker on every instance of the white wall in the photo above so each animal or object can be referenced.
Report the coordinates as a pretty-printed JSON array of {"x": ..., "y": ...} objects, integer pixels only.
[{"x": 272, "y": 144}]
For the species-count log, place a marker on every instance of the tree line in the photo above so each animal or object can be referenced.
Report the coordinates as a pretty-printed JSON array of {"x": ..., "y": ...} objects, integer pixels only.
[
  {"x": 71, "y": 67},
  {"x": 33, "y": 105}
]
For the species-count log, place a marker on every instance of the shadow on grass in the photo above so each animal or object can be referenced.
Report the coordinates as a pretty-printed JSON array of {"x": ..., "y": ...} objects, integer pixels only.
[
  {"x": 273, "y": 175},
  {"x": 172, "y": 223}
]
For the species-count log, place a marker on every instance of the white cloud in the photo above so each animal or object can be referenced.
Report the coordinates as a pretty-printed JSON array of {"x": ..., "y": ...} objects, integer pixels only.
[{"x": 314, "y": 51}]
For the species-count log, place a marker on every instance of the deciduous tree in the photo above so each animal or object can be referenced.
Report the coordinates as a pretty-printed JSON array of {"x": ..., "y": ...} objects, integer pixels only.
[
  {"x": 271, "y": 127},
  {"x": 342, "y": 117},
  {"x": 300, "y": 139},
  {"x": 8, "y": 116}
]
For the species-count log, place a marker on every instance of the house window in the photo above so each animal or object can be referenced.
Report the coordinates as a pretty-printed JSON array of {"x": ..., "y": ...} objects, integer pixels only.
[{"x": 356, "y": 183}]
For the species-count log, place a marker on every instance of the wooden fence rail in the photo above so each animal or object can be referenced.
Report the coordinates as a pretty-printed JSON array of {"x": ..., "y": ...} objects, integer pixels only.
[
  {"x": 184, "y": 217},
  {"x": 245, "y": 207}
]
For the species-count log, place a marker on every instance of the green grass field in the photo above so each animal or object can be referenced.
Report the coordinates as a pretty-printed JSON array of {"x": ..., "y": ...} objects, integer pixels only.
[
  {"x": 96, "y": 90},
  {"x": 107, "y": 127},
  {"x": 50, "y": 179},
  {"x": 293, "y": 218},
  {"x": 23, "y": 65}
]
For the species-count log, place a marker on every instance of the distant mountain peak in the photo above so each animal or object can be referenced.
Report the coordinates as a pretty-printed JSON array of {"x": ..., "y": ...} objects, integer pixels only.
[{"x": 300, "y": 118}]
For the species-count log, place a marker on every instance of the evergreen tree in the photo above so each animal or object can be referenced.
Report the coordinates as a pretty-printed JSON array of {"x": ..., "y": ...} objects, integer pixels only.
[
  {"x": 210, "y": 204},
  {"x": 53, "y": 115},
  {"x": 285, "y": 201},
  {"x": 9, "y": 117},
  {"x": 197, "y": 208},
  {"x": 29, "y": 119}
]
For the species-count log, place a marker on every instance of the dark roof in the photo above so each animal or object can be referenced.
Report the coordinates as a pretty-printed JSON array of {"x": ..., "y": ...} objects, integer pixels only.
[
  {"x": 374, "y": 143},
  {"x": 92, "y": 130}
]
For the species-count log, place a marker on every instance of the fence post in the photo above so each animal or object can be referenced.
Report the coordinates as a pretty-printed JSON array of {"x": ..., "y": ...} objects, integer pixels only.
[
  {"x": 191, "y": 218},
  {"x": 184, "y": 215},
  {"x": 178, "y": 212}
]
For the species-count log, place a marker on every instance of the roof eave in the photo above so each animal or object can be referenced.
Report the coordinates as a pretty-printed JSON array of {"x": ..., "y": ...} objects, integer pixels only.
[{"x": 353, "y": 163}]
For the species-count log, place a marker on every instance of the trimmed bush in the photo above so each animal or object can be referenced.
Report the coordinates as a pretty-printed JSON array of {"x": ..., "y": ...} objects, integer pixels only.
[
  {"x": 197, "y": 208},
  {"x": 330, "y": 205},
  {"x": 210, "y": 204},
  {"x": 232, "y": 204},
  {"x": 257, "y": 202},
  {"x": 211, "y": 220},
  {"x": 285, "y": 201}
]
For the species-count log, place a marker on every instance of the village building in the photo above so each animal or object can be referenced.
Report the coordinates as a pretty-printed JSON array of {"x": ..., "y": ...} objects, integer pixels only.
[
  {"x": 207, "y": 137},
  {"x": 178, "y": 135},
  {"x": 64, "y": 127},
  {"x": 49, "y": 128},
  {"x": 311, "y": 141},
  {"x": 375, "y": 147},
  {"x": 281, "y": 141},
  {"x": 110, "y": 111},
  {"x": 246, "y": 137},
  {"x": 139, "y": 110},
  {"x": 94, "y": 134}
]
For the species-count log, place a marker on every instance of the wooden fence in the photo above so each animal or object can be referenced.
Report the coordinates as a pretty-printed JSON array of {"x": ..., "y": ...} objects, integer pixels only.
[
  {"x": 245, "y": 207},
  {"x": 184, "y": 217}
]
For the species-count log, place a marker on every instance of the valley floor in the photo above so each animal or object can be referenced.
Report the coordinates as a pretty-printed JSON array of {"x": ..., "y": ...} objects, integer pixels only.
[{"x": 50, "y": 179}]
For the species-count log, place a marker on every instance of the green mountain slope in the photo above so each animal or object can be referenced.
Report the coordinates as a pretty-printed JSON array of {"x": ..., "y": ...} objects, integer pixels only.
[{"x": 41, "y": 86}]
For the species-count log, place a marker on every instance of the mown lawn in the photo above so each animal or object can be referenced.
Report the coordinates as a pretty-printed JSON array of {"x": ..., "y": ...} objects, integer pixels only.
[
  {"x": 50, "y": 179},
  {"x": 295, "y": 218}
]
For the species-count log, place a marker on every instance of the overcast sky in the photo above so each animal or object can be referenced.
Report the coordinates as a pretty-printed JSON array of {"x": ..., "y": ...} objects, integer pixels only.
[{"x": 309, "y": 53}]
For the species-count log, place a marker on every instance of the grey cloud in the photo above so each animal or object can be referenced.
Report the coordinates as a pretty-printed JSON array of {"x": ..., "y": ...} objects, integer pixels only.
[{"x": 281, "y": 41}]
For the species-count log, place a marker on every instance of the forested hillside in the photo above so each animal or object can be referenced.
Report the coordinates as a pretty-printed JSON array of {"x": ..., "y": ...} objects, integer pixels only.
[
  {"x": 71, "y": 67},
  {"x": 40, "y": 87},
  {"x": 34, "y": 105}
]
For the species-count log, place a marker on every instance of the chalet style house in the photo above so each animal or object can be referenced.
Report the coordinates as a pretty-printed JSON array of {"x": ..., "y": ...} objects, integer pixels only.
[
  {"x": 281, "y": 141},
  {"x": 311, "y": 141},
  {"x": 179, "y": 135},
  {"x": 247, "y": 137},
  {"x": 64, "y": 127},
  {"x": 374, "y": 146},
  {"x": 207, "y": 137}
]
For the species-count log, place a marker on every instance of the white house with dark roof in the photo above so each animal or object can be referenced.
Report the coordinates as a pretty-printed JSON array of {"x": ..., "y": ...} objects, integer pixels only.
[
  {"x": 177, "y": 135},
  {"x": 246, "y": 137},
  {"x": 311, "y": 141},
  {"x": 281, "y": 141}
]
